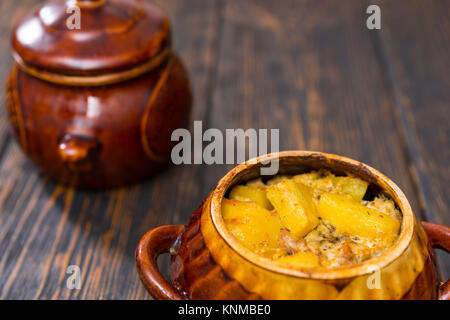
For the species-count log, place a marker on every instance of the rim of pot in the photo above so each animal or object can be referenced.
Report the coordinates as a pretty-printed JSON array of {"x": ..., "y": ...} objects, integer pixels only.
[{"x": 341, "y": 272}]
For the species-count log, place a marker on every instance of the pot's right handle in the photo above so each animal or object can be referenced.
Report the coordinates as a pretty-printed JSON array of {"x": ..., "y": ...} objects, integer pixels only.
[
  {"x": 439, "y": 235},
  {"x": 156, "y": 241}
]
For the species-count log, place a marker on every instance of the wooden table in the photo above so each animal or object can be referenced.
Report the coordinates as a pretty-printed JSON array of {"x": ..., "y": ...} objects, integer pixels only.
[{"x": 310, "y": 68}]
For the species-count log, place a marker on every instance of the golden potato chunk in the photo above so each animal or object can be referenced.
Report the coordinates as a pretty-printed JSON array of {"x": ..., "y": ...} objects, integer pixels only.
[
  {"x": 301, "y": 259},
  {"x": 352, "y": 186},
  {"x": 255, "y": 227},
  {"x": 255, "y": 194},
  {"x": 328, "y": 182},
  {"x": 354, "y": 218},
  {"x": 295, "y": 206}
]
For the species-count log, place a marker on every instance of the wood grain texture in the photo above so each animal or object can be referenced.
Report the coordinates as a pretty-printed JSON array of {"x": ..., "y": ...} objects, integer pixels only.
[
  {"x": 46, "y": 227},
  {"x": 315, "y": 76},
  {"x": 310, "y": 68},
  {"x": 10, "y": 13},
  {"x": 415, "y": 44}
]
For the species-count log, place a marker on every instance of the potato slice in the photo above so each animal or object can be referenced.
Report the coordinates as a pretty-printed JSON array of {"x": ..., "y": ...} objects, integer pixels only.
[
  {"x": 301, "y": 259},
  {"x": 351, "y": 217},
  {"x": 255, "y": 227},
  {"x": 328, "y": 182},
  {"x": 295, "y": 206},
  {"x": 352, "y": 186},
  {"x": 255, "y": 194}
]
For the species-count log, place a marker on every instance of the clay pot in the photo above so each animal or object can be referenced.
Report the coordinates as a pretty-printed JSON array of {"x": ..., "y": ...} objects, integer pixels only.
[
  {"x": 96, "y": 106},
  {"x": 207, "y": 262}
]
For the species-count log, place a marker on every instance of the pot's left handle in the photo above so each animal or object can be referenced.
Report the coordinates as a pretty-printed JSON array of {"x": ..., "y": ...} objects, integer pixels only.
[
  {"x": 155, "y": 242},
  {"x": 439, "y": 235}
]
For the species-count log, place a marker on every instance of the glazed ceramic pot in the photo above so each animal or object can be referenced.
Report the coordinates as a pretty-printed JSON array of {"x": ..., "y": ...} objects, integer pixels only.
[
  {"x": 96, "y": 106},
  {"x": 207, "y": 262}
]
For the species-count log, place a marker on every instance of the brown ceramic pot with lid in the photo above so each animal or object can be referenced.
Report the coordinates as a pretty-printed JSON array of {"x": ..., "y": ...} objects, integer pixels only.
[
  {"x": 208, "y": 262},
  {"x": 95, "y": 106}
]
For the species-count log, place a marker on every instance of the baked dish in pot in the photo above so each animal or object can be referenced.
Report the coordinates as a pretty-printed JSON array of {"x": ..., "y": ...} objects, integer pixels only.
[{"x": 326, "y": 227}]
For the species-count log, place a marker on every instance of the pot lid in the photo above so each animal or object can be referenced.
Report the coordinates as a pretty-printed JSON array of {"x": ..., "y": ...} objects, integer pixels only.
[{"x": 91, "y": 36}]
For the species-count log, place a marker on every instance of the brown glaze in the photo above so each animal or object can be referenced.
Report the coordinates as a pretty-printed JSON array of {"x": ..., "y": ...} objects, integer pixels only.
[
  {"x": 153, "y": 243},
  {"x": 421, "y": 289},
  {"x": 439, "y": 237},
  {"x": 194, "y": 273},
  {"x": 113, "y": 34},
  {"x": 197, "y": 274},
  {"x": 96, "y": 107}
]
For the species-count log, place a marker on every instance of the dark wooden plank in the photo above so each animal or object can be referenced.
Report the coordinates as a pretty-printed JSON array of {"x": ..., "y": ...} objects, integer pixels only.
[
  {"x": 44, "y": 227},
  {"x": 415, "y": 40},
  {"x": 10, "y": 13},
  {"x": 308, "y": 68}
]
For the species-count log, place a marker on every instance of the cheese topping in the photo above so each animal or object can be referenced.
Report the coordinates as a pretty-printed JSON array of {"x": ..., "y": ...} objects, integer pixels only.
[{"x": 312, "y": 219}]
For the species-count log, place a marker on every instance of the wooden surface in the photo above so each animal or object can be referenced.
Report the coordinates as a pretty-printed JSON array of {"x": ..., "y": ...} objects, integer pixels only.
[{"x": 310, "y": 68}]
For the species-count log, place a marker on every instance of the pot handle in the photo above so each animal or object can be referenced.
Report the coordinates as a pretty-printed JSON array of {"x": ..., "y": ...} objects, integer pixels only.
[
  {"x": 78, "y": 151},
  {"x": 155, "y": 242},
  {"x": 439, "y": 235}
]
